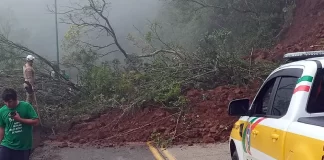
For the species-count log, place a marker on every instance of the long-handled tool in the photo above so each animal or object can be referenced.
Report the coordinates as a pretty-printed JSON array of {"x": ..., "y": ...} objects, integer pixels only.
[{"x": 37, "y": 109}]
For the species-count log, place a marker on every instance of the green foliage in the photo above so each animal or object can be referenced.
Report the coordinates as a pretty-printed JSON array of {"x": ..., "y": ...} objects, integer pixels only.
[
  {"x": 254, "y": 24},
  {"x": 168, "y": 93},
  {"x": 202, "y": 47}
]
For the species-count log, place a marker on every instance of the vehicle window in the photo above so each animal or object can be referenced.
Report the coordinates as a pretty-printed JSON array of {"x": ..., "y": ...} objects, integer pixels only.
[
  {"x": 266, "y": 100},
  {"x": 262, "y": 101},
  {"x": 316, "y": 98},
  {"x": 283, "y": 95}
]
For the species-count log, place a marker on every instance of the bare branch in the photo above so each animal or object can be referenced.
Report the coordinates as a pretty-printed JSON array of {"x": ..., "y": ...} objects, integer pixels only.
[
  {"x": 102, "y": 55},
  {"x": 161, "y": 51},
  {"x": 95, "y": 46},
  {"x": 204, "y": 5}
]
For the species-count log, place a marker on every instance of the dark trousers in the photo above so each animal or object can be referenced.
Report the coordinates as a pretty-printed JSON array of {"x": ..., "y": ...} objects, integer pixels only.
[{"x": 10, "y": 154}]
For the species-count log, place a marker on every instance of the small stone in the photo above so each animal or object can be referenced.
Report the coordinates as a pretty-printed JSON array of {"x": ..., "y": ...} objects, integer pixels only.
[
  {"x": 213, "y": 129},
  {"x": 207, "y": 139}
]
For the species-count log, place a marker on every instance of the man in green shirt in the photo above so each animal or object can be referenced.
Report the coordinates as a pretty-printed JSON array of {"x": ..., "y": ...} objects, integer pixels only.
[{"x": 17, "y": 119}]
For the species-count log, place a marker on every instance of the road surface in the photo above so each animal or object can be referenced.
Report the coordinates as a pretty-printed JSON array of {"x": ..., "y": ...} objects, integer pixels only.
[{"x": 133, "y": 152}]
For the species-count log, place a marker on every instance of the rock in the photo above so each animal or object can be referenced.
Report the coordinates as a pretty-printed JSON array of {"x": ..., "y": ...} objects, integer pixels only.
[
  {"x": 207, "y": 139},
  {"x": 213, "y": 129},
  {"x": 221, "y": 127},
  {"x": 210, "y": 125},
  {"x": 237, "y": 91}
]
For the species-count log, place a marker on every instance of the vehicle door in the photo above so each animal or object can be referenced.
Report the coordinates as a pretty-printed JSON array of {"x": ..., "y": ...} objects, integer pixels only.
[{"x": 263, "y": 136}]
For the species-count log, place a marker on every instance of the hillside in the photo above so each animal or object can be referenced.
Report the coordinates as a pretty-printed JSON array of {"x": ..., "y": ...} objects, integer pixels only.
[{"x": 207, "y": 119}]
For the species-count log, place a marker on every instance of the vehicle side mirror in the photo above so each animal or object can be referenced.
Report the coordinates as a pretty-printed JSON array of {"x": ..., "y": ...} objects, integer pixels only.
[{"x": 239, "y": 107}]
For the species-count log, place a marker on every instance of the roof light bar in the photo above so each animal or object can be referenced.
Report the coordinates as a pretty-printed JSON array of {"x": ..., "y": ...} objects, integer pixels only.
[{"x": 303, "y": 55}]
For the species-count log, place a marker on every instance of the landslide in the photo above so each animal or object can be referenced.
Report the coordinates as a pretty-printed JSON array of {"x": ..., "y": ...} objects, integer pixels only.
[{"x": 206, "y": 121}]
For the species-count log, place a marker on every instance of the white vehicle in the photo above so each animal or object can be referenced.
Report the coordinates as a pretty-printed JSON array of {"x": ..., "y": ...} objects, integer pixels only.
[{"x": 285, "y": 121}]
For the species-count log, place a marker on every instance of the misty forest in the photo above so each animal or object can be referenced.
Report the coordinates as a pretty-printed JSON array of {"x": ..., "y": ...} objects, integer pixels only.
[{"x": 117, "y": 54}]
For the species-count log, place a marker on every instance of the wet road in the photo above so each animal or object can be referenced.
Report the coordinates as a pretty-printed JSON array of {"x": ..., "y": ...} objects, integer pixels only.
[{"x": 133, "y": 152}]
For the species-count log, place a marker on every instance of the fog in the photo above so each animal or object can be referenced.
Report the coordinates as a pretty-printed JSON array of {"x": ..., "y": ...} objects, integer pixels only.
[{"x": 40, "y": 23}]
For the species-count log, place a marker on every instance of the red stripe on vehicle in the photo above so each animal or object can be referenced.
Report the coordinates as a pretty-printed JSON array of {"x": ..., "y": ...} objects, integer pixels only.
[
  {"x": 256, "y": 123},
  {"x": 304, "y": 88}
]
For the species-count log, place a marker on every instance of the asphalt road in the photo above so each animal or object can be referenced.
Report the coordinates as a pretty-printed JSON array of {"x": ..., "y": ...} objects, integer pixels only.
[{"x": 133, "y": 152}]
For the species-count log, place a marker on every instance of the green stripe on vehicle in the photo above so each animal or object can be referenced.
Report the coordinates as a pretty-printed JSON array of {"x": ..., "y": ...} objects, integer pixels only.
[
  {"x": 243, "y": 139},
  {"x": 254, "y": 119},
  {"x": 244, "y": 132},
  {"x": 305, "y": 78}
]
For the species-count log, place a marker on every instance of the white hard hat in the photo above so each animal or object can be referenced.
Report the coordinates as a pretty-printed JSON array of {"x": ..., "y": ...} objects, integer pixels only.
[{"x": 30, "y": 58}]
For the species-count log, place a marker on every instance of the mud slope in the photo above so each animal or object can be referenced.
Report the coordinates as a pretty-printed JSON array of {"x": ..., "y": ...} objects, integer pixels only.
[
  {"x": 306, "y": 32},
  {"x": 206, "y": 122}
]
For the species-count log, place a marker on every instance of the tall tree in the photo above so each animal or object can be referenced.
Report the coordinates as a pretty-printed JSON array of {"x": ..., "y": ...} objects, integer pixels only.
[{"x": 93, "y": 18}]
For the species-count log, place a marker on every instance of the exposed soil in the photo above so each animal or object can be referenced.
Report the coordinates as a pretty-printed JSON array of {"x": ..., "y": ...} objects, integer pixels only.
[
  {"x": 306, "y": 32},
  {"x": 207, "y": 121}
]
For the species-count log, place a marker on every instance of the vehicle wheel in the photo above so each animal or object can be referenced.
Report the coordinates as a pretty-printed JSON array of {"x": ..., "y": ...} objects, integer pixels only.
[{"x": 235, "y": 156}]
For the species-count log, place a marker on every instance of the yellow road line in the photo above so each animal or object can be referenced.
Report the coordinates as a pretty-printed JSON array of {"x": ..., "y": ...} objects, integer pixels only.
[
  {"x": 167, "y": 154},
  {"x": 154, "y": 151}
]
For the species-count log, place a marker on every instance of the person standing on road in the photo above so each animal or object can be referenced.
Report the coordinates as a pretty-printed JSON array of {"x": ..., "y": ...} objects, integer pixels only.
[
  {"x": 29, "y": 76},
  {"x": 17, "y": 119}
]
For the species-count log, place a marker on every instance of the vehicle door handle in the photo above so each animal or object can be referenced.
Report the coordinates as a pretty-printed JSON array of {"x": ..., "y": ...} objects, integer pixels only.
[
  {"x": 255, "y": 133},
  {"x": 274, "y": 137}
]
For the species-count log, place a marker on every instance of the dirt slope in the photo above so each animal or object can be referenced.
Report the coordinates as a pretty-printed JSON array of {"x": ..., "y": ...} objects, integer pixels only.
[
  {"x": 208, "y": 120},
  {"x": 306, "y": 32}
]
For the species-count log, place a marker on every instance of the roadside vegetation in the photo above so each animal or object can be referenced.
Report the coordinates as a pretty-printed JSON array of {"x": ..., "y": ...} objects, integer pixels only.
[{"x": 192, "y": 44}]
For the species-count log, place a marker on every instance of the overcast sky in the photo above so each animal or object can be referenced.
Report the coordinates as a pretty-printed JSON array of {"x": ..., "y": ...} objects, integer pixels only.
[{"x": 33, "y": 15}]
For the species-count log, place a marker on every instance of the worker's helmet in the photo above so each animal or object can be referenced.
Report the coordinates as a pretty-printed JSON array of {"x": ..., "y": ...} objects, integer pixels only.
[{"x": 30, "y": 58}]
